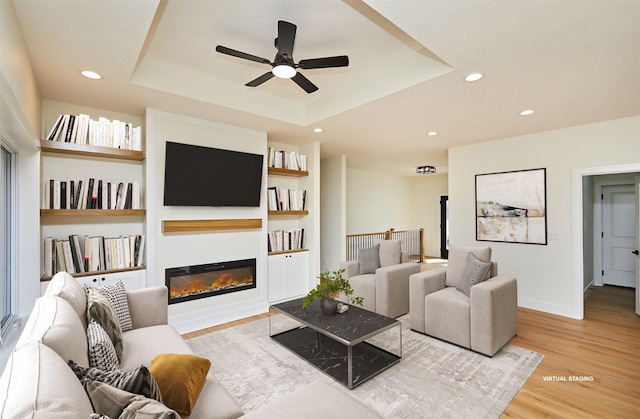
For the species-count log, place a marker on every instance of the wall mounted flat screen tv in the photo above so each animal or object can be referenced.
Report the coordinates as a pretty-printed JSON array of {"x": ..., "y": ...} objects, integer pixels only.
[{"x": 204, "y": 176}]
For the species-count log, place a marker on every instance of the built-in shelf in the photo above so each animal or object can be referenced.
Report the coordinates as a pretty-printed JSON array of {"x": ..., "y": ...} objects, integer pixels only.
[
  {"x": 109, "y": 271},
  {"x": 283, "y": 212},
  {"x": 91, "y": 212},
  {"x": 288, "y": 251},
  {"x": 193, "y": 226},
  {"x": 85, "y": 150},
  {"x": 287, "y": 172}
]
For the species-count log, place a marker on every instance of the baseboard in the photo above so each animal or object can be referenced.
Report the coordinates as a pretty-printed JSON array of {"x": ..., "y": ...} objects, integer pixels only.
[
  {"x": 191, "y": 322},
  {"x": 557, "y": 309}
]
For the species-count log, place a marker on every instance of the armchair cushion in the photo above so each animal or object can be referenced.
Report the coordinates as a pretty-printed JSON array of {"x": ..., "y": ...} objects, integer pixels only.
[
  {"x": 390, "y": 252},
  {"x": 369, "y": 259},
  {"x": 474, "y": 272},
  {"x": 457, "y": 261}
]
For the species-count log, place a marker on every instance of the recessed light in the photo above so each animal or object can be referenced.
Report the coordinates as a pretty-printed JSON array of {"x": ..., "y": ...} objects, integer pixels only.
[
  {"x": 317, "y": 130},
  {"x": 91, "y": 75},
  {"x": 474, "y": 77},
  {"x": 432, "y": 133},
  {"x": 527, "y": 112}
]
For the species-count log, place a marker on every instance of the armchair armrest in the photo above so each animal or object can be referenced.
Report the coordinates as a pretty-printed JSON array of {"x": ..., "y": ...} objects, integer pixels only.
[
  {"x": 392, "y": 288},
  {"x": 148, "y": 306},
  {"x": 351, "y": 268},
  {"x": 420, "y": 285},
  {"x": 494, "y": 313}
]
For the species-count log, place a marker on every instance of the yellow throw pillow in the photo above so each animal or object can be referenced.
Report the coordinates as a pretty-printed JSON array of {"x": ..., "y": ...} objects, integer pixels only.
[{"x": 180, "y": 378}]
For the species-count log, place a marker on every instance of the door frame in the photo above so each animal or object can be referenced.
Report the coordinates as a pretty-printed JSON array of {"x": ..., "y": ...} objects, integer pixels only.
[
  {"x": 598, "y": 256},
  {"x": 577, "y": 239},
  {"x": 444, "y": 219}
]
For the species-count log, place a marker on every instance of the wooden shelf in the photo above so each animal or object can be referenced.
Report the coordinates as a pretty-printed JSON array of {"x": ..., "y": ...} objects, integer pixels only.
[
  {"x": 110, "y": 271},
  {"x": 91, "y": 212},
  {"x": 281, "y": 212},
  {"x": 59, "y": 147},
  {"x": 195, "y": 226},
  {"x": 288, "y": 251},
  {"x": 286, "y": 172}
]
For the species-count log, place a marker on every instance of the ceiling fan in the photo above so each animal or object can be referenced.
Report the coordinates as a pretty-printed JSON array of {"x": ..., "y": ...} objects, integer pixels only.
[{"x": 283, "y": 65}]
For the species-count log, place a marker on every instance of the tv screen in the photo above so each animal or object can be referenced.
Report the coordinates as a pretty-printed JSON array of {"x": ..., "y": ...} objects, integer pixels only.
[{"x": 204, "y": 176}]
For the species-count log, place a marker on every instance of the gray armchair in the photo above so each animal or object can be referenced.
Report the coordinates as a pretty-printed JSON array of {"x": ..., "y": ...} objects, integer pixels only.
[
  {"x": 457, "y": 304},
  {"x": 381, "y": 277}
]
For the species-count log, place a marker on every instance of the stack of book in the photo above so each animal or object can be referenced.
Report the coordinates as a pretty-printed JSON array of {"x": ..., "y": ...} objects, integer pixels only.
[
  {"x": 285, "y": 240},
  {"x": 282, "y": 199},
  {"x": 91, "y": 193},
  {"x": 99, "y": 254},
  {"x": 286, "y": 159},
  {"x": 81, "y": 129}
]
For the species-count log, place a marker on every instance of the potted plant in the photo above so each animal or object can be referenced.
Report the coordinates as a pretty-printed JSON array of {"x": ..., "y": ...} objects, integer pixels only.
[{"x": 330, "y": 286}]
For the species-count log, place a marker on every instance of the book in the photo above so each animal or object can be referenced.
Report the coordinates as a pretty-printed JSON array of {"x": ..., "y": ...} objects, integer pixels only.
[
  {"x": 48, "y": 256},
  {"x": 60, "y": 264},
  {"x": 140, "y": 251},
  {"x": 68, "y": 258},
  {"x": 63, "y": 128},
  {"x": 63, "y": 195},
  {"x": 55, "y": 128},
  {"x": 69, "y": 131},
  {"x": 78, "y": 258}
]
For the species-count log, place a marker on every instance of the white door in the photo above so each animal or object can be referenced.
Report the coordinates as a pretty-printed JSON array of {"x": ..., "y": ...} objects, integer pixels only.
[
  {"x": 637, "y": 249},
  {"x": 619, "y": 235}
]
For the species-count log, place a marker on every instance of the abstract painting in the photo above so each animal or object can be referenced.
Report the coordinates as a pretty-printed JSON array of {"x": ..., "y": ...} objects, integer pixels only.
[{"x": 512, "y": 207}]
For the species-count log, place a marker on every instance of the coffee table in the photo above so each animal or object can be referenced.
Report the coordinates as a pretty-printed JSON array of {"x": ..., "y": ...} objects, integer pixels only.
[{"x": 346, "y": 346}]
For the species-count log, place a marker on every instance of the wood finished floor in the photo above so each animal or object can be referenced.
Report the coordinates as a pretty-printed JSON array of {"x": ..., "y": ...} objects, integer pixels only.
[{"x": 605, "y": 346}]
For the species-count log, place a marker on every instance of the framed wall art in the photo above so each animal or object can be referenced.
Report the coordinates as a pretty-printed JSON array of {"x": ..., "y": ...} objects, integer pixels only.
[{"x": 512, "y": 207}]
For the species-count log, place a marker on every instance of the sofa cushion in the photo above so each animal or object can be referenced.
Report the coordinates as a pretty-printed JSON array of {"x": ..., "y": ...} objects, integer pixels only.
[
  {"x": 117, "y": 295},
  {"x": 68, "y": 288},
  {"x": 447, "y": 315},
  {"x": 180, "y": 378},
  {"x": 102, "y": 354},
  {"x": 457, "y": 259},
  {"x": 474, "y": 272},
  {"x": 100, "y": 310},
  {"x": 369, "y": 259},
  {"x": 137, "y": 350},
  {"x": 36, "y": 383},
  {"x": 54, "y": 322},
  {"x": 390, "y": 252},
  {"x": 112, "y": 402}
]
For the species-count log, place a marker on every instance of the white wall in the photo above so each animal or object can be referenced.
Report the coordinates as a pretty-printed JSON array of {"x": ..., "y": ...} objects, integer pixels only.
[
  {"x": 174, "y": 250},
  {"x": 377, "y": 202},
  {"x": 545, "y": 273},
  {"x": 333, "y": 212}
]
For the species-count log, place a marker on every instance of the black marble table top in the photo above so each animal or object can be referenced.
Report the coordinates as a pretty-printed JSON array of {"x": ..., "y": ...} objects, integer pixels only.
[{"x": 351, "y": 327}]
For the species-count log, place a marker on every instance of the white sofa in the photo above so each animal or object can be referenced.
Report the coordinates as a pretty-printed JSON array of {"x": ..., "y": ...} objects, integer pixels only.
[{"x": 38, "y": 382}]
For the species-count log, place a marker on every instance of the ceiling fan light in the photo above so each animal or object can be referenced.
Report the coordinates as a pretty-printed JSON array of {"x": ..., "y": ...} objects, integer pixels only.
[{"x": 283, "y": 71}]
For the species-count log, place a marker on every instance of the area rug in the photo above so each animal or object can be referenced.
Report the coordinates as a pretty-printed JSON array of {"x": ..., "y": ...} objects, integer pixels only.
[{"x": 433, "y": 379}]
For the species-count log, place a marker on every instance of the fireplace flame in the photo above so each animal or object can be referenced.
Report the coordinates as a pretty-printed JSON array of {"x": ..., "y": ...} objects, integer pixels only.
[{"x": 197, "y": 285}]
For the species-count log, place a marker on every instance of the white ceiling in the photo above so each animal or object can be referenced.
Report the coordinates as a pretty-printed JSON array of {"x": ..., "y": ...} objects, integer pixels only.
[{"x": 573, "y": 62}]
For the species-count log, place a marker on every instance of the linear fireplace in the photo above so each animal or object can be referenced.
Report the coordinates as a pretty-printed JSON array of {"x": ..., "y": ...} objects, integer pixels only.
[{"x": 200, "y": 281}]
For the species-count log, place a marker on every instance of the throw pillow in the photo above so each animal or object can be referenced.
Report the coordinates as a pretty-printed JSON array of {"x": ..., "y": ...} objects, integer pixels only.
[
  {"x": 474, "y": 272},
  {"x": 117, "y": 295},
  {"x": 100, "y": 310},
  {"x": 102, "y": 354},
  {"x": 114, "y": 403},
  {"x": 180, "y": 378},
  {"x": 139, "y": 381},
  {"x": 390, "y": 252},
  {"x": 369, "y": 259}
]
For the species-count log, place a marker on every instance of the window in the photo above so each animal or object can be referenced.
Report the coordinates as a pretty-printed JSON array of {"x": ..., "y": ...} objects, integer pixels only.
[{"x": 8, "y": 222}]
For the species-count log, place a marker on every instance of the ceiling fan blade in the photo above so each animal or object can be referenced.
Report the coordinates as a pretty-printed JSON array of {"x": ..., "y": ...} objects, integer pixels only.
[
  {"x": 258, "y": 81},
  {"x": 304, "y": 82},
  {"x": 338, "y": 61},
  {"x": 286, "y": 38},
  {"x": 243, "y": 55}
]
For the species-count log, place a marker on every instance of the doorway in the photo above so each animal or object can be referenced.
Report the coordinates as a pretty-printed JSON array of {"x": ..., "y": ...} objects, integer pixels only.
[{"x": 444, "y": 227}]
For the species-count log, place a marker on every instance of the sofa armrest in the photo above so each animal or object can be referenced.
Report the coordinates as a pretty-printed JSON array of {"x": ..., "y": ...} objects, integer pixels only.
[
  {"x": 420, "y": 285},
  {"x": 392, "y": 288},
  {"x": 351, "y": 268},
  {"x": 148, "y": 306},
  {"x": 494, "y": 313}
]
